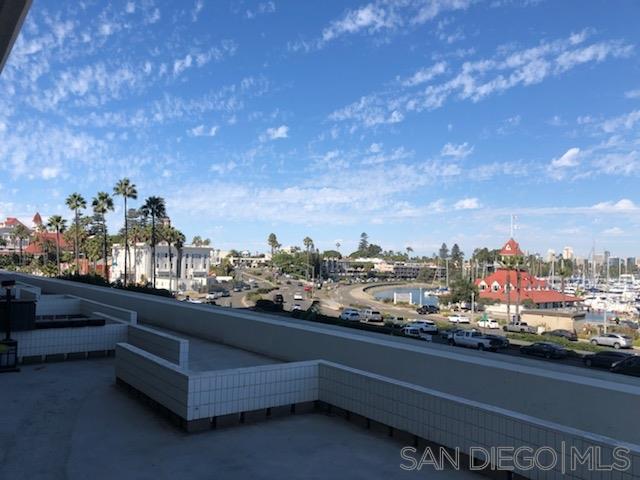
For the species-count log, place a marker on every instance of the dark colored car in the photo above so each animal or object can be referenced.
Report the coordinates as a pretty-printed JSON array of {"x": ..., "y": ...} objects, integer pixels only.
[
  {"x": 545, "y": 349},
  {"x": 500, "y": 341},
  {"x": 278, "y": 298},
  {"x": 605, "y": 359},
  {"x": 568, "y": 334},
  {"x": 427, "y": 309},
  {"x": 628, "y": 366},
  {"x": 630, "y": 324}
]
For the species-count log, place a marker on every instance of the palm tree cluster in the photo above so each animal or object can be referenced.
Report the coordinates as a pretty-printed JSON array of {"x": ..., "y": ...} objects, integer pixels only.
[{"x": 90, "y": 237}]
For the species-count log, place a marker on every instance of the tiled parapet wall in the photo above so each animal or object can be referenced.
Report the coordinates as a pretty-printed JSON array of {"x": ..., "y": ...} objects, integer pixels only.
[
  {"x": 453, "y": 422},
  {"x": 217, "y": 393},
  {"x": 164, "y": 345},
  {"x": 159, "y": 379},
  {"x": 475, "y": 429},
  {"x": 55, "y": 341}
]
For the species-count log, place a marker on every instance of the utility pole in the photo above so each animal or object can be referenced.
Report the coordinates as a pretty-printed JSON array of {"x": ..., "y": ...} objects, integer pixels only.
[{"x": 446, "y": 261}]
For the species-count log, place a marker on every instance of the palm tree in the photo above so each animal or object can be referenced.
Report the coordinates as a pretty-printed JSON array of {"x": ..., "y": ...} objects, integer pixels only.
[
  {"x": 20, "y": 233},
  {"x": 57, "y": 224},
  {"x": 409, "y": 252},
  {"x": 102, "y": 203},
  {"x": 138, "y": 234},
  {"x": 338, "y": 246},
  {"x": 154, "y": 207},
  {"x": 76, "y": 202},
  {"x": 308, "y": 244},
  {"x": 173, "y": 237},
  {"x": 126, "y": 190},
  {"x": 272, "y": 241}
]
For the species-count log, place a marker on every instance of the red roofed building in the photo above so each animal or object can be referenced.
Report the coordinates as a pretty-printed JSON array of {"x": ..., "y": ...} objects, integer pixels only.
[
  {"x": 40, "y": 239},
  {"x": 532, "y": 289}
]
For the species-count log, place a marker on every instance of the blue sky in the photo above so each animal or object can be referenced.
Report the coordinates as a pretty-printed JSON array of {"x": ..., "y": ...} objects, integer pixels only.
[{"x": 417, "y": 121}]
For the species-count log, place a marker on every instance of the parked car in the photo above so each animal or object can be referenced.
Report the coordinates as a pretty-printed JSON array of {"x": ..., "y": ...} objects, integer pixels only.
[
  {"x": 567, "y": 334},
  {"x": 350, "y": 315},
  {"x": 545, "y": 349},
  {"x": 425, "y": 326},
  {"x": 489, "y": 323},
  {"x": 502, "y": 342},
  {"x": 297, "y": 296},
  {"x": 605, "y": 359},
  {"x": 474, "y": 339},
  {"x": 416, "y": 333},
  {"x": 459, "y": 319},
  {"x": 519, "y": 327},
  {"x": 296, "y": 306},
  {"x": 448, "y": 334},
  {"x": 369, "y": 314},
  {"x": 615, "y": 340},
  {"x": 278, "y": 298},
  {"x": 427, "y": 309},
  {"x": 628, "y": 366}
]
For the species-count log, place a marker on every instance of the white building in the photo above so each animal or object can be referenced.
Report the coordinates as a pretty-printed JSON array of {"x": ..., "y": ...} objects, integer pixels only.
[
  {"x": 186, "y": 269},
  {"x": 567, "y": 253}
]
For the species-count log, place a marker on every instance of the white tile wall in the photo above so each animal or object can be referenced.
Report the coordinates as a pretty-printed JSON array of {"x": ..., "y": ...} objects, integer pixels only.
[
  {"x": 53, "y": 341},
  {"x": 245, "y": 389},
  {"x": 456, "y": 422},
  {"x": 445, "y": 419},
  {"x": 162, "y": 344}
]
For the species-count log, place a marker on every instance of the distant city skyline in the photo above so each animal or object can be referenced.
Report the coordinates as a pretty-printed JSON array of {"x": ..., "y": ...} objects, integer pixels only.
[{"x": 418, "y": 122}]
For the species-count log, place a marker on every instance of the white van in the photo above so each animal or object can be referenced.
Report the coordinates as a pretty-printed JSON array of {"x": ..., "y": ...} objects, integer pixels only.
[
  {"x": 371, "y": 316},
  {"x": 350, "y": 315}
]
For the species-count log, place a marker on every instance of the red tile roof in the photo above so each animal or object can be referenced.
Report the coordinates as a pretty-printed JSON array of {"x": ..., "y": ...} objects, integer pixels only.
[
  {"x": 511, "y": 248},
  {"x": 536, "y": 296},
  {"x": 35, "y": 247},
  {"x": 531, "y": 288}
]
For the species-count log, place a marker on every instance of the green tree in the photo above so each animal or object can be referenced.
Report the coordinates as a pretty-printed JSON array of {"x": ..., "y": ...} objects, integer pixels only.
[
  {"x": 76, "y": 202},
  {"x": 461, "y": 290},
  {"x": 174, "y": 238},
  {"x": 19, "y": 234},
  {"x": 443, "y": 253},
  {"x": 197, "y": 241},
  {"x": 58, "y": 225},
  {"x": 331, "y": 254},
  {"x": 154, "y": 207},
  {"x": 364, "y": 242},
  {"x": 272, "y": 241},
  {"x": 103, "y": 203},
  {"x": 126, "y": 190}
]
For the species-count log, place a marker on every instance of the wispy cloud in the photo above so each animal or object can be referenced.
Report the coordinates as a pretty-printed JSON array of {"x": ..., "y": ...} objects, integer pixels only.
[
  {"x": 275, "y": 133},
  {"x": 479, "y": 79}
]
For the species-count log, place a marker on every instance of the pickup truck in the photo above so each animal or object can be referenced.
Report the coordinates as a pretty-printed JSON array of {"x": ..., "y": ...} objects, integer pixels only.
[
  {"x": 474, "y": 339},
  {"x": 520, "y": 327}
]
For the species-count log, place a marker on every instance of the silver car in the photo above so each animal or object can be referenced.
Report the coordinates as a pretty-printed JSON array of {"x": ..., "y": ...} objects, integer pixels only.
[{"x": 615, "y": 340}]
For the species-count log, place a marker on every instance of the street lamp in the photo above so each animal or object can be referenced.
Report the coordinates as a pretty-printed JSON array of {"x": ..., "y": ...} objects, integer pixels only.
[{"x": 8, "y": 347}]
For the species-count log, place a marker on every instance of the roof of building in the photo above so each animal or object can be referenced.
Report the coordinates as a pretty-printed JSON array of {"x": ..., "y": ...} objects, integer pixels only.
[
  {"x": 511, "y": 249},
  {"x": 35, "y": 247},
  {"x": 527, "y": 281},
  {"x": 536, "y": 296}
]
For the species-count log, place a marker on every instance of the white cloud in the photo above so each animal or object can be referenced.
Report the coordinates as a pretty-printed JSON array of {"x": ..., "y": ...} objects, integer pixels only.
[
  {"x": 275, "y": 133},
  {"x": 425, "y": 74},
  {"x": 569, "y": 159},
  {"x": 262, "y": 9},
  {"x": 467, "y": 204},
  {"x": 622, "y": 122},
  {"x": 202, "y": 131},
  {"x": 197, "y": 8},
  {"x": 130, "y": 7},
  {"x": 460, "y": 151},
  {"x": 623, "y": 205},
  {"x": 476, "y": 80},
  {"x": 613, "y": 232},
  {"x": 222, "y": 168},
  {"x": 49, "y": 173},
  {"x": 632, "y": 93}
]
